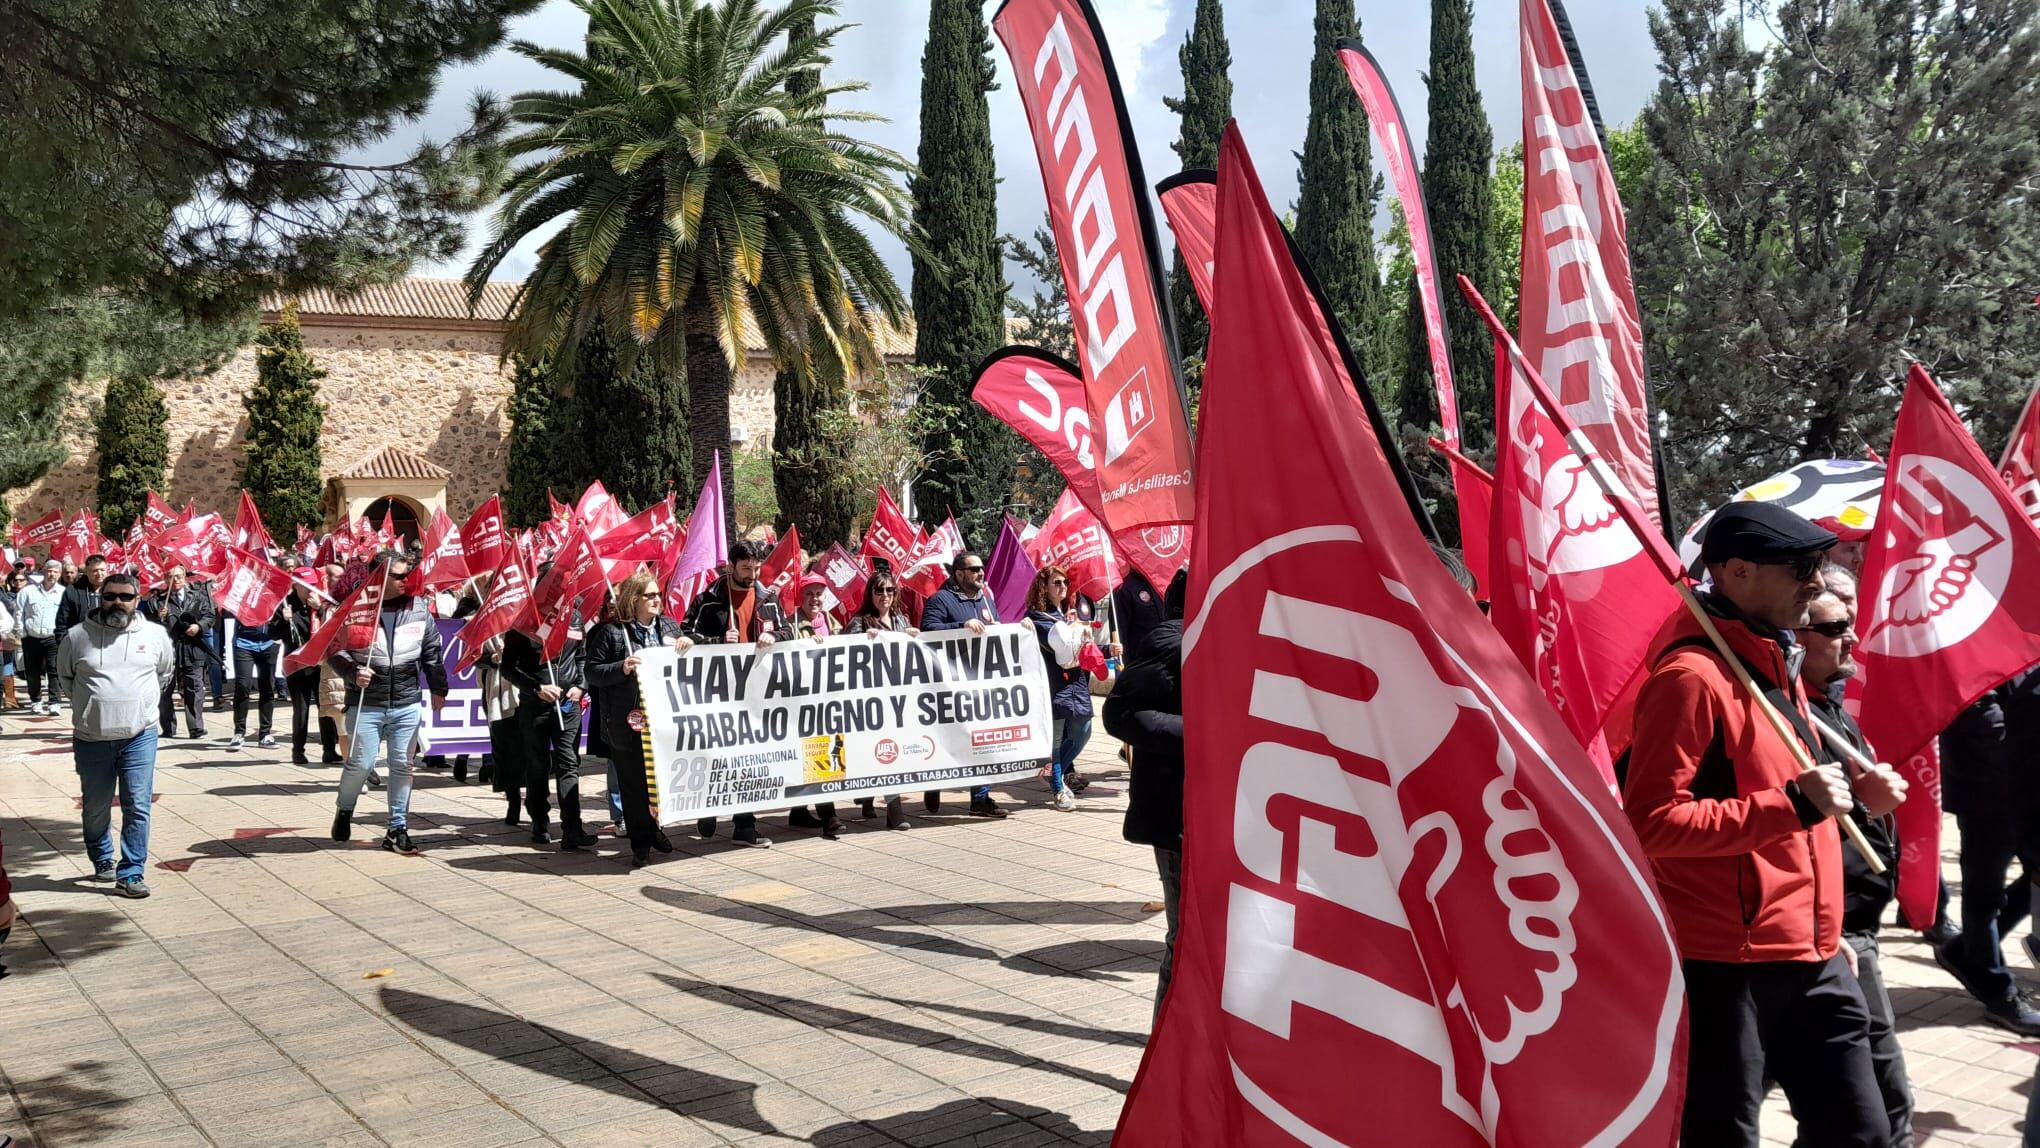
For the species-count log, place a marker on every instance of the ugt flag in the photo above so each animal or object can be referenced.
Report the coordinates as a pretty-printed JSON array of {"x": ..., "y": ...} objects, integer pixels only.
[{"x": 1412, "y": 913}]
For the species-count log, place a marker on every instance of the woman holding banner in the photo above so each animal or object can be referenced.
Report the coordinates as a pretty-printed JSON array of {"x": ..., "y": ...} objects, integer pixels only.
[
  {"x": 881, "y": 614},
  {"x": 614, "y": 650},
  {"x": 1065, "y": 635}
]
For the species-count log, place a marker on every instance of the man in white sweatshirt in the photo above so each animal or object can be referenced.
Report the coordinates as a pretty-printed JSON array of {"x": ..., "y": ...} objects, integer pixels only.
[{"x": 114, "y": 666}]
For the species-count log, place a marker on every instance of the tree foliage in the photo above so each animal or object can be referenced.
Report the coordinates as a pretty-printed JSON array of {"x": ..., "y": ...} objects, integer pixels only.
[
  {"x": 282, "y": 469},
  {"x": 198, "y": 154},
  {"x": 1857, "y": 192},
  {"x": 1337, "y": 192},
  {"x": 534, "y": 412},
  {"x": 1206, "y": 61},
  {"x": 959, "y": 280},
  {"x": 702, "y": 200},
  {"x": 133, "y": 441},
  {"x": 621, "y": 420}
]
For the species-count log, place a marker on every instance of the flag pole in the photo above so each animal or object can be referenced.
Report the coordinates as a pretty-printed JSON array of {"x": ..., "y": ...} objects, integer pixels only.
[{"x": 1660, "y": 552}]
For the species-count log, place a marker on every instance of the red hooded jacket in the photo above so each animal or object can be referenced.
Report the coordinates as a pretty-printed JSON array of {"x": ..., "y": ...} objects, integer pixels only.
[{"x": 1743, "y": 876}]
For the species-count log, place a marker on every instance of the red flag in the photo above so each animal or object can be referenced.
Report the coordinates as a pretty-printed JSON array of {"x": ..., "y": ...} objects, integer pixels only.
[
  {"x": 44, "y": 529},
  {"x": 890, "y": 536},
  {"x": 1190, "y": 201},
  {"x": 846, "y": 578},
  {"x": 481, "y": 536},
  {"x": 252, "y": 587},
  {"x": 780, "y": 574},
  {"x": 158, "y": 514},
  {"x": 1073, "y": 539},
  {"x": 507, "y": 607},
  {"x": 249, "y": 532},
  {"x": 1111, "y": 258},
  {"x": 1395, "y": 858},
  {"x": 1042, "y": 398},
  {"x": 363, "y": 611},
  {"x": 2020, "y": 465},
  {"x": 445, "y": 561},
  {"x": 75, "y": 544},
  {"x": 561, "y": 512},
  {"x": 599, "y": 511},
  {"x": 196, "y": 546},
  {"x": 147, "y": 567},
  {"x": 321, "y": 640},
  {"x": 643, "y": 538},
  {"x": 575, "y": 575},
  {"x": 1579, "y": 321},
  {"x": 1949, "y": 608},
  {"x": 1570, "y": 576}
]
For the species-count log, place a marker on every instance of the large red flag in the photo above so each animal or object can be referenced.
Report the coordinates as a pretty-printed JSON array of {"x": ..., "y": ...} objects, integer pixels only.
[
  {"x": 1397, "y": 867},
  {"x": 598, "y": 510},
  {"x": 643, "y": 538},
  {"x": 249, "y": 531},
  {"x": 576, "y": 574},
  {"x": 2020, "y": 464},
  {"x": 315, "y": 648},
  {"x": 890, "y": 536},
  {"x": 1073, "y": 539},
  {"x": 158, "y": 514},
  {"x": 1190, "y": 201},
  {"x": 780, "y": 575},
  {"x": 76, "y": 543},
  {"x": 445, "y": 560},
  {"x": 1579, "y": 323},
  {"x": 507, "y": 607},
  {"x": 44, "y": 529},
  {"x": 1949, "y": 608},
  {"x": 252, "y": 587},
  {"x": 1570, "y": 576},
  {"x": 481, "y": 536},
  {"x": 363, "y": 613},
  {"x": 846, "y": 578},
  {"x": 1111, "y": 258}
]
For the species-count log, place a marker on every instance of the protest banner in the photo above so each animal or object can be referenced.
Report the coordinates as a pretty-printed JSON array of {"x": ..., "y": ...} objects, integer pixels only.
[{"x": 737, "y": 729}]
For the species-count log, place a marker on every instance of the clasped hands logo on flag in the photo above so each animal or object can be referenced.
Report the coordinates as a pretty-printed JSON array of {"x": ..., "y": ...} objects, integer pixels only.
[{"x": 1950, "y": 586}]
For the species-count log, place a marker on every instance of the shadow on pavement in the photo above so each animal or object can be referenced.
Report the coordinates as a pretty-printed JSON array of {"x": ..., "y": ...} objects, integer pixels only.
[
  {"x": 1090, "y": 960},
  {"x": 718, "y": 1099},
  {"x": 1018, "y": 1020},
  {"x": 843, "y": 1021},
  {"x": 981, "y": 1121},
  {"x": 72, "y": 1105}
]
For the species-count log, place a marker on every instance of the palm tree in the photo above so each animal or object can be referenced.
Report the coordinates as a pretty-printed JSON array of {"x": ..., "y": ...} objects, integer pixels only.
[{"x": 701, "y": 193}]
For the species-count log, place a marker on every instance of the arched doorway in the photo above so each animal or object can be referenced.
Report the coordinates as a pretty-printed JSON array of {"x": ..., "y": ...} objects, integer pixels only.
[{"x": 403, "y": 516}]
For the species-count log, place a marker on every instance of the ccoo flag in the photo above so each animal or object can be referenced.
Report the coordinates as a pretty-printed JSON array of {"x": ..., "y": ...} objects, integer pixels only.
[{"x": 1412, "y": 913}]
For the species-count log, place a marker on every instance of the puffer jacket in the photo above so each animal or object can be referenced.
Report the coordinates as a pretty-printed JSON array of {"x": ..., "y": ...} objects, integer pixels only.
[
  {"x": 406, "y": 645},
  {"x": 114, "y": 675},
  {"x": 1748, "y": 869},
  {"x": 708, "y": 619}
]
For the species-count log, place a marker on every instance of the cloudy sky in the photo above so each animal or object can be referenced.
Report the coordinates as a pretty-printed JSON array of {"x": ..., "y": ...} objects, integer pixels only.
[{"x": 1271, "y": 45}]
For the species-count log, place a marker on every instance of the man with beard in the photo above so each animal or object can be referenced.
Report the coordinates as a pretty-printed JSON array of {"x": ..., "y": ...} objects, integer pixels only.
[
  {"x": 115, "y": 666},
  {"x": 1742, "y": 841},
  {"x": 731, "y": 612}
]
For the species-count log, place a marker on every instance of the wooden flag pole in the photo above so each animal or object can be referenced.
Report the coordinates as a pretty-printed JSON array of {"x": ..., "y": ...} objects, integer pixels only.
[{"x": 1658, "y": 548}]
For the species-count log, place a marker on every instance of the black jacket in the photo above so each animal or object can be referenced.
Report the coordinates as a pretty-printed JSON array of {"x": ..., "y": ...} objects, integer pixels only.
[
  {"x": 1146, "y": 712},
  {"x": 196, "y": 610},
  {"x": 615, "y": 692},
  {"x": 525, "y": 666},
  {"x": 1987, "y": 752},
  {"x": 79, "y": 602},
  {"x": 406, "y": 644},
  {"x": 708, "y": 619},
  {"x": 1864, "y": 894}
]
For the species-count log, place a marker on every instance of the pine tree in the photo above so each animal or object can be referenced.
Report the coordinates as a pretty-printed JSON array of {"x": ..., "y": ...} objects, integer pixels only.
[
  {"x": 282, "y": 469},
  {"x": 1206, "y": 105},
  {"x": 533, "y": 412},
  {"x": 627, "y": 426},
  {"x": 134, "y": 447},
  {"x": 1337, "y": 191},
  {"x": 811, "y": 418},
  {"x": 959, "y": 279},
  {"x": 1456, "y": 158}
]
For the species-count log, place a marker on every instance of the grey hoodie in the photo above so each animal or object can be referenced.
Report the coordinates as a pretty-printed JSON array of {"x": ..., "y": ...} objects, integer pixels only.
[{"x": 114, "y": 676}]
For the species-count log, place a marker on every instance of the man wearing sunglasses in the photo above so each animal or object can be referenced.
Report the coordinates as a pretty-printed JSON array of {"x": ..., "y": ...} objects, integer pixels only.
[
  {"x": 115, "y": 666},
  {"x": 1745, "y": 849}
]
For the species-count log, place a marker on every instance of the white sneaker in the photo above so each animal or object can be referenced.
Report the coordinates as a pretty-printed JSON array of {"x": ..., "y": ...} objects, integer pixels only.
[
  {"x": 235, "y": 742},
  {"x": 37, "y": 709},
  {"x": 1065, "y": 801}
]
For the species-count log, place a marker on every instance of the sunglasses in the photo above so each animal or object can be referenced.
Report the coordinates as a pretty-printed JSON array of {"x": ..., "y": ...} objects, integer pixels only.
[
  {"x": 972, "y": 569},
  {"x": 654, "y": 597},
  {"x": 1803, "y": 567},
  {"x": 1833, "y": 629},
  {"x": 883, "y": 590},
  {"x": 119, "y": 597},
  {"x": 1058, "y": 581}
]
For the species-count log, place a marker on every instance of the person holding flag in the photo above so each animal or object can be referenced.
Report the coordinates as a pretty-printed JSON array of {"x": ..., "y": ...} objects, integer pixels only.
[
  {"x": 186, "y": 611},
  {"x": 729, "y": 612},
  {"x": 550, "y": 691},
  {"x": 301, "y": 613},
  {"x": 383, "y": 702},
  {"x": 1745, "y": 848}
]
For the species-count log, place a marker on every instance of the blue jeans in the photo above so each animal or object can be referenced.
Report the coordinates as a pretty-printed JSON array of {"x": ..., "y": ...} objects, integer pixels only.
[
  {"x": 129, "y": 765},
  {"x": 375, "y": 726},
  {"x": 615, "y": 795},
  {"x": 1067, "y": 737}
]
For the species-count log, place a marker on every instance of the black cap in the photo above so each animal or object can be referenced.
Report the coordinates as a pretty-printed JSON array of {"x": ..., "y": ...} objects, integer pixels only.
[{"x": 1761, "y": 532}]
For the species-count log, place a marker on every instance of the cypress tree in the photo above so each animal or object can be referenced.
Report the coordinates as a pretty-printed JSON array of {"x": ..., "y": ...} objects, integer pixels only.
[
  {"x": 959, "y": 279},
  {"x": 811, "y": 418},
  {"x": 529, "y": 469},
  {"x": 1206, "y": 104},
  {"x": 282, "y": 469},
  {"x": 1337, "y": 191},
  {"x": 1456, "y": 158},
  {"x": 627, "y": 426},
  {"x": 134, "y": 447}
]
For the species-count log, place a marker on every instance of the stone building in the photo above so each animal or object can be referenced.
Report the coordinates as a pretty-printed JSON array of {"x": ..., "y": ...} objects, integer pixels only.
[{"x": 415, "y": 392}]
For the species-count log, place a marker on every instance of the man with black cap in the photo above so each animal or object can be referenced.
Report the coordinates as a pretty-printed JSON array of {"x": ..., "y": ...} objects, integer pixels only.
[{"x": 1745, "y": 850}]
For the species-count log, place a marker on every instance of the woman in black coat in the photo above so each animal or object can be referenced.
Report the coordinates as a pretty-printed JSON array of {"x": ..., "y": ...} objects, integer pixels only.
[{"x": 614, "y": 649}]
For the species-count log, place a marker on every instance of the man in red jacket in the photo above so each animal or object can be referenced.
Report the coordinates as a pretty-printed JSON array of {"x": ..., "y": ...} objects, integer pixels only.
[{"x": 1745, "y": 850}]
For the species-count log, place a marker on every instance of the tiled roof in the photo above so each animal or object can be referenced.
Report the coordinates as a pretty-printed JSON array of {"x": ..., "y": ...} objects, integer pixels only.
[
  {"x": 394, "y": 462},
  {"x": 446, "y": 299}
]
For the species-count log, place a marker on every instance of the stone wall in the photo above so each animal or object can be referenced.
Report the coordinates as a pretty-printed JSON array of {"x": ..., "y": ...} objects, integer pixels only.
[{"x": 435, "y": 388}]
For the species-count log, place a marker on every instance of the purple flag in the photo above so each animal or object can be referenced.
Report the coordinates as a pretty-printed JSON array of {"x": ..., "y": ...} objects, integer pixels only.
[
  {"x": 705, "y": 548},
  {"x": 1008, "y": 573}
]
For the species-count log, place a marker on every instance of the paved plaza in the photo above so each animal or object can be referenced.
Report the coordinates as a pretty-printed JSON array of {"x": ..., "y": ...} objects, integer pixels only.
[{"x": 968, "y": 982}]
